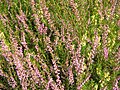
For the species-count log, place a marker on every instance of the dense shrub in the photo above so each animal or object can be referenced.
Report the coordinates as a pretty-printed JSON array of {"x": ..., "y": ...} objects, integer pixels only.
[{"x": 60, "y": 44}]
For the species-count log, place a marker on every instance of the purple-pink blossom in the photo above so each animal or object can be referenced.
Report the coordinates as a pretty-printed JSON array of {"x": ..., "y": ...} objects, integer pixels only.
[{"x": 105, "y": 53}]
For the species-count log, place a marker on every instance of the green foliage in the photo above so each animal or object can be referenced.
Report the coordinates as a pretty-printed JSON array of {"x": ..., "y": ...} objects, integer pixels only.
[{"x": 63, "y": 16}]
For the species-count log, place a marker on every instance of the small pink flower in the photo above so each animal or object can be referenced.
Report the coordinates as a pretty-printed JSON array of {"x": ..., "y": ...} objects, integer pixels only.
[
  {"x": 105, "y": 53},
  {"x": 116, "y": 87},
  {"x": 118, "y": 23}
]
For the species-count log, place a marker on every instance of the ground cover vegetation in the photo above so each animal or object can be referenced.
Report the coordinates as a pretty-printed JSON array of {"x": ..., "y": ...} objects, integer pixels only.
[{"x": 60, "y": 44}]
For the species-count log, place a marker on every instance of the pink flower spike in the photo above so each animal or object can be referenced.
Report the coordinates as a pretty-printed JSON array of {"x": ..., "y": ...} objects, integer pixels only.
[{"x": 105, "y": 53}]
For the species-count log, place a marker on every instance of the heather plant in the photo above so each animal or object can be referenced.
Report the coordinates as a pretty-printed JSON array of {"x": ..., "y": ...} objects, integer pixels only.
[{"x": 60, "y": 44}]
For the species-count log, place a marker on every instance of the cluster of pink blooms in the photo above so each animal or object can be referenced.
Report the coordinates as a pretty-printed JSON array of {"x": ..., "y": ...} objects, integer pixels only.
[
  {"x": 116, "y": 86},
  {"x": 37, "y": 68}
]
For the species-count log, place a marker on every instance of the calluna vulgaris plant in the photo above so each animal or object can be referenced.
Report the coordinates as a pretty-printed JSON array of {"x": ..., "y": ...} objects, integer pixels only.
[{"x": 59, "y": 44}]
